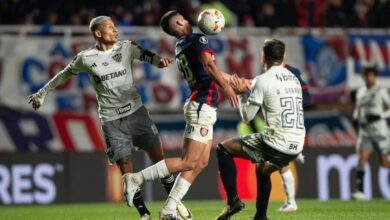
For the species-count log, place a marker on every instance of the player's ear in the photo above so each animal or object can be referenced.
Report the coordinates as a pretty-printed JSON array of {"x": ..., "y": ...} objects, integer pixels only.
[
  {"x": 284, "y": 58},
  {"x": 97, "y": 34}
]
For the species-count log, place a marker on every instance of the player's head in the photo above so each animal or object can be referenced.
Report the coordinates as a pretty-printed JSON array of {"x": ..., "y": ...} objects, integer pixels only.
[
  {"x": 104, "y": 30},
  {"x": 273, "y": 52},
  {"x": 369, "y": 76},
  {"x": 174, "y": 24}
]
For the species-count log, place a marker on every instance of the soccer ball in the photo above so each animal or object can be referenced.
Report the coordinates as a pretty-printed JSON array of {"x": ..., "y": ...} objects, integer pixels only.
[{"x": 211, "y": 21}]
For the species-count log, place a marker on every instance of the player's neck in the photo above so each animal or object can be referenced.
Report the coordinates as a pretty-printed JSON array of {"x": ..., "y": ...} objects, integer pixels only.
[{"x": 103, "y": 47}]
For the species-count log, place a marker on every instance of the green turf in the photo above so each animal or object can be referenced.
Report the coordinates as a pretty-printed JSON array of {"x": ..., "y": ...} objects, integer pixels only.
[{"x": 202, "y": 210}]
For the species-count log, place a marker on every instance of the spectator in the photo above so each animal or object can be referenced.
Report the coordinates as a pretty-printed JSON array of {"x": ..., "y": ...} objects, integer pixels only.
[
  {"x": 334, "y": 14},
  {"x": 287, "y": 13}
]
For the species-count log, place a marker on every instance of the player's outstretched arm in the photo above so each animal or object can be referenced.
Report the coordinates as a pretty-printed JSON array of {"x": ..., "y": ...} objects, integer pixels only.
[
  {"x": 137, "y": 52},
  {"x": 209, "y": 65},
  {"x": 37, "y": 99}
]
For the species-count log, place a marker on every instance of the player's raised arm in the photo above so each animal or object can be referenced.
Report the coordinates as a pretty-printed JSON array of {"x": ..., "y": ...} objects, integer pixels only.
[
  {"x": 212, "y": 69},
  {"x": 137, "y": 52}
]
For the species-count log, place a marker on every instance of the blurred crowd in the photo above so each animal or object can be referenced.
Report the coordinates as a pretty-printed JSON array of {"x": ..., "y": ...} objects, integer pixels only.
[{"x": 262, "y": 13}]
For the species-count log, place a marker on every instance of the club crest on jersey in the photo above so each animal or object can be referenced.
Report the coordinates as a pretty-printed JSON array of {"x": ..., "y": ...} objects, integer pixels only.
[
  {"x": 203, "y": 40},
  {"x": 117, "y": 57},
  {"x": 204, "y": 131}
]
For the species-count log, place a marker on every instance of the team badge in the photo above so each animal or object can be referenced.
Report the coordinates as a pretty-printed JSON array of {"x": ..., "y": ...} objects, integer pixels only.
[
  {"x": 203, "y": 40},
  {"x": 117, "y": 57},
  {"x": 204, "y": 131}
]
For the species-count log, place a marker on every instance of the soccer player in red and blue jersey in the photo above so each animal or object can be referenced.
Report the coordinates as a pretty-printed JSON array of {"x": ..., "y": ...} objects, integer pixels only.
[{"x": 195, "y": 59}]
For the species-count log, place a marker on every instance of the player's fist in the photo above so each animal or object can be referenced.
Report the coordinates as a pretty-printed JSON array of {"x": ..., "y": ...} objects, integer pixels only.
[
  {"x": 164, "y": 62},
  {"x": 34, "y": 101}
]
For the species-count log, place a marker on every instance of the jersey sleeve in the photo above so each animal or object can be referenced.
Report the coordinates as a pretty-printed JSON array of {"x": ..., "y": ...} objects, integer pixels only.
[
  {"x": 386, "y": 102},
  {"x": 256, "y": 96},
  {"x": 202, "y": 45},
  {"x": 250, "y": 106},
  {"x": 139, "y": 53},
  {"x": 75, "y": 66}
]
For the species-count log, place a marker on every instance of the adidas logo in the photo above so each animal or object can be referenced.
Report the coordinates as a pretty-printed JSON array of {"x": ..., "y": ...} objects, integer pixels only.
[{"x": 93, "y": 65}]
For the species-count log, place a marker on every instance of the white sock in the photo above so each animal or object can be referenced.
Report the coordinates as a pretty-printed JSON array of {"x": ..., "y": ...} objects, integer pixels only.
[
  {"x": 177, "y": 193},
  {"x": 289, "y": 186},
  {"x": 156, "y": 171}
]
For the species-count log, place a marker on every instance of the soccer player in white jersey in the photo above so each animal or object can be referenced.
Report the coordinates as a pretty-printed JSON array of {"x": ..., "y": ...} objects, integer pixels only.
[
  {"x": 125, "y": 121},
  {"x": 372, "y": 109},
  {"x": 278, "y": 94}
]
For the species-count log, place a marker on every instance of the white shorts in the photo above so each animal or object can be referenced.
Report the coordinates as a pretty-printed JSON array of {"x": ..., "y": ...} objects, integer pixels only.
[
  {"x": 200, "y": 119},
  {"x": 381, "y": 144}
]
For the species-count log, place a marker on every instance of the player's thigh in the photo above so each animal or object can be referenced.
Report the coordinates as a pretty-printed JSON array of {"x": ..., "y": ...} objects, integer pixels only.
[
  {"x": 144, "y": 132},
  {"x": 382, "y": 144},
  {"x": 200, "y": 119},
  {"x": 364, "y": 143},
  {"x": 234, "y": 147},
  {"x": 118, "y": 144},
  {"x": 193, "y": 150}
]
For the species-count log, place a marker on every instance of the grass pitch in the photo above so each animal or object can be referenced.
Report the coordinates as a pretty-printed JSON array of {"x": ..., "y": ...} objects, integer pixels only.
[{"x": 202, "y": 210}]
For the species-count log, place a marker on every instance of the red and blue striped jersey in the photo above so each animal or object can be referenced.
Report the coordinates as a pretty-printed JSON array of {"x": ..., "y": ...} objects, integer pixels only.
[{"x": 203, "y": 88}]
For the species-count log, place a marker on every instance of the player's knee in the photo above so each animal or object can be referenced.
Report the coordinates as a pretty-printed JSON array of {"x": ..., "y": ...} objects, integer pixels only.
[
  {"x": 189, "y": 164},
  {"x": 202, "y": 165},
  {"x": 125, "y": 164},
  {"x": 221, "y": 150}
]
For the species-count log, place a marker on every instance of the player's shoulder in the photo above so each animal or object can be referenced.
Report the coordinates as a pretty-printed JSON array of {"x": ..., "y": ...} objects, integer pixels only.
[
  {"x": 199, "y": 37},
  {"x": 361, "y": 90},
  {"x": 123, "y": 44},
  {"x": 383, "y": 91}
]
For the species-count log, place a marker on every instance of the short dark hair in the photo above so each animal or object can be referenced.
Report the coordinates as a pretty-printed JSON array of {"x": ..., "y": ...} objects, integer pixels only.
[
  {"x": 367, "y": 70},
  {"x": 165, "y": 22},
  {"x": 273, "y": 51}
]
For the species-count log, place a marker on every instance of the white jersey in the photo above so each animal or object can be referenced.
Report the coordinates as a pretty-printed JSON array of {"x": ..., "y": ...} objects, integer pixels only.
[
  {"x": 374, "y": 101},
  {"x": 279, "y": 95},
  {"x": 110, "y": 73}
]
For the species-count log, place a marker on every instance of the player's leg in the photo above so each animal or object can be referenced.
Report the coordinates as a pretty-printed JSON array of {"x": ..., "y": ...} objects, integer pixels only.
[
  {"x": 272, "y": 160},
  {"x": 288, "y": 182},
  {"x": 119, "y": 148},
  {"x": 383, "y": 148},
  {"x": 264, "y": 186},
  {"x": 364, "y": 147},
  {"x": 226, "y": 151},
  {"x": 197, "y": 154}
]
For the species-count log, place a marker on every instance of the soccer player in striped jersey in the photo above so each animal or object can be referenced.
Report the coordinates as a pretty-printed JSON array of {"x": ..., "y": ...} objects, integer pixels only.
[
  {"x": 125, "y": 120},
  {"x": 278, "y": 94},
  {"x": 195, "y": 59},
  {"x": 372, "y": 109}
]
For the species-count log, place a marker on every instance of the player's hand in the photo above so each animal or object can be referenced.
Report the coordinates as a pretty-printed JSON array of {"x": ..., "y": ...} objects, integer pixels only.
[
  {"x": 231, "y": 96},
  {"x": 164, "y": 62},
  {"x": 34, "y": 102},
  {"x": 239, "y": 85},
  {"x": 372, "y": 118}
]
